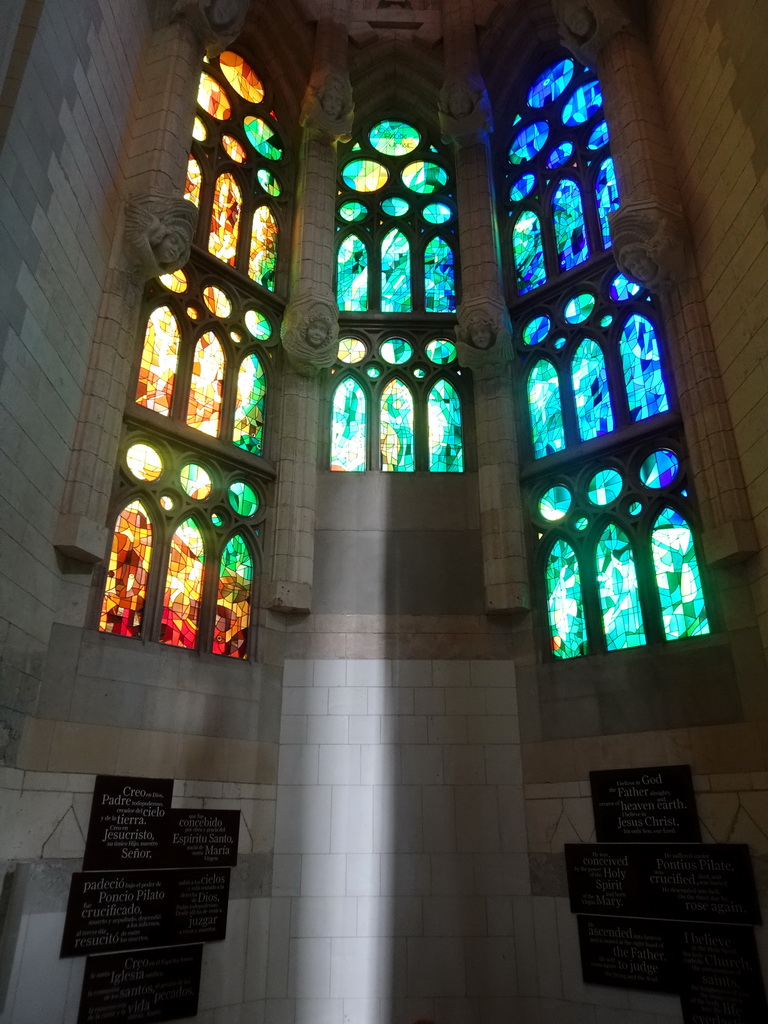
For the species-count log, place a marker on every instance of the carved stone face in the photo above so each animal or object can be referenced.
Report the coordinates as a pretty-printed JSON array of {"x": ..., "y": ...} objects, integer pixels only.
[
  {"x": 481, "y": 333},
  {"x": 317, "y": 332},
  {"x": 639, "y": 263},
  {"x": 170, "y": 247},
  {"x": 459, "y": 100},
  {"x": 224, "y": 15},
  {"x": 581, "y": 20}
]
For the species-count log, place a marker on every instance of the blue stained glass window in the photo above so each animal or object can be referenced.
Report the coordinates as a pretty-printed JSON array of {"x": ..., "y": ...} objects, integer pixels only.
[
  {"x": 528, "y": 142},
  {"x": 545, "y": 410},
  {"x": 599, "y": 136},
  {"x": 439, "y": 284},
  {"x": 446, "y": 453},
  {"x": 352, "y": 275},
  {"x": 584, "y": 102},
  {"x": 659, "y": 469},
  {"x": 348, "y": 427},
  {"x": 683, "y": 610},
  {"x": 590, "y": 391},
  {"x": 607, "y": 194},
  {"x": 568, "y": 629},
  {"x": 622, "y": 288},
  {"x": 559, "y": 155},
  {"x": 397, "y": 428},
  {"x": 570, "y": 234},
  {"x": 617, "y": 586},
  {"x": 522, "y": 187},
  {"x": 643, "y": 378},
  {"x": 395, "y": 273},
  {"x": 536, "y": 330},
  {"x": 551, "y": 83},
  {"x": 528, "y": 252}
]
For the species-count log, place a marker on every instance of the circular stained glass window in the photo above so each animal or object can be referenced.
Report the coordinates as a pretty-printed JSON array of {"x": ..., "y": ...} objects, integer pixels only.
[
  {"x": 351, "y": 350},
  {"x": 659, "y": 469},
  {"x": 353, "y": 212},
  {"x": 167, "y": 502},
  {"x": 528, "y": 142},
  {"x": 365, "y": 175},
  {"x": 241, "y": 77},
  {"x": 579, "y": 308},
  {"x": 419, "y": 374},
  {"x": 144, "y": 462},
  {"x": 258, "y": 325},
  {"x": 193, "y": 313},
  {"x": 236, "y": 336},
  {"x": 199, "y": 131},
  {"x": 599, "y": 136},
  {"x": 176, "y": 282},
  {"x": 551, "y": 83},
  {"x": 586, "y": 100},
  {"x": 395, "y": 351},
  {"x": 606, "y": 321},
  {"x": 217, "y": 301},
  {"x": 605, "y": 487},
  {"x": 635, "y": 508},
  {"x": 195, "y": 481},
  {"x": 213, "y": 99},
  {"x": 234, "y": 149},
  {"x": 262, "y": 137},
  {"x": 582, "y": 523},
  {"x": 423, "y": 176},
  {"x": 269, "y": 182},
  {"x": 373, "y": 372},
  {"x": 394, "y": 138},
  {"x": 559, "y": 343},
  {"x": 554, "y": 504},
  {"x": 440, "y": 351},
  {"x": 243, "y": 499},
  {"x": 436, "y": 213},
  {"x": 622, "y": 288},
  {"x": 536, "y": 330},
  {"x": 559, "y": 155},
  {"x": 522, "y": 187},
  {"x": 394, "y": 207},
  {"x": 216, "y": 519}
]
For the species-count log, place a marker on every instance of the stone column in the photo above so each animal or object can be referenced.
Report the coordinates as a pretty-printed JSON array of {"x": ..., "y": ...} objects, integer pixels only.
[
  {"x": 484, "y": 331},
  {"x": 154, "y": 235},
  {"x": 652, "y": 246},
  {"x": 310, "y": 326}
]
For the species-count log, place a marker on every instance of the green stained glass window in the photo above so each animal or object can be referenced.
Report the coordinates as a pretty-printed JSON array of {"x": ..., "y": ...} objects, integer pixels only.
[
  {"x": 585, "y": 101},
  {"x": 395, "y": 273},
  {"x": 262, "y": 137},
  {"x": 365, "y": 175},
  {"x": 683, "y": 610},
  {"x": 233, "y": 605},
  {"x": 659, "y": 469},
  {"x": 195, "y": 481},
  {"x": 640, "y": 360},
  {"x": 581, "y": 523},
  {"x": 635, "y": 508},
  {"x": 243, "y": 498},
  {"x": 551, "y": 83},
  {"x": 394, "y": 207},
  {"x": 248, "y": 432},
  {"x": 394, "y": 138},
  {"x": 352, "y": 275},
  {"x": 268, "y": 181},
  {"x": 559, "y": 155},
  {"x": 441, "y": 352},
  {"x": 554, "y": 504},
  {"x": 545, "y": 410},
  {"x": 436, "y": 213},
  {"x": 579, "y": 308},
  {"x": 439, "y": 283},
  {"x": 570, "y": 234},
  {"x": 257, "y": 325},
  {"x": 599, "y": 136},
  {"x": 353, "y": 211},
  {"x": 617, "y": 587},
  {"x": 446, "y": 454},
  {"x": 607, "y": 195},
  {"x": 522, "y": 187},
  {"x": 536, "y": 330},
  {"x": 621, "y": 288},
  {"x": 590, "y": 391},
  {"x": 396, "y": 423},
  {"x": 605, "y": 487},
  {"x": 528, "y": 252},
  {"x": 528, "y": 142},
  {"x": 262, "y": 257},
  {"x": 351, "y": 350},
  {"x": 567, "y": 626},
  {"x": 396, "y": 351},
  {"x": 424, "y": 177},
  {"x": 349, "y": 426}
]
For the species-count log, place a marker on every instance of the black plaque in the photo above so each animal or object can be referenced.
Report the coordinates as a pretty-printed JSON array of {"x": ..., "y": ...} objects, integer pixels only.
[
  {"x": 645, "y": 805},
  {"x": 152, "y": 985},
  {"x": 124, "y": 910},
  {"x": 668, "y": 881},
  {"x": 129, "y": 823},
  {"x": 200, "y": 838},
  {"x": 720, "y": 977},
  {"x": 629, "y": 953}
]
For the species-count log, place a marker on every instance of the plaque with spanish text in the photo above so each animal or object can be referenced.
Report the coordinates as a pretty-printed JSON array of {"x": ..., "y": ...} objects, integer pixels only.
[
  {"x": 645, "y": 805},
  {"x": 201, "y": 838},
  {"x": 129, "y": 823},
  {"x": 629, "y": 953},
  {"x": 720, "y": 976}
]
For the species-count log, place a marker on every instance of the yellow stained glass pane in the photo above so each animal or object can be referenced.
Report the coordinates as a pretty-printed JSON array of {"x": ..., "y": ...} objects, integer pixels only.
[
  {"x": 128, "y": 572},
  {"x": 234, "y": 149},
  {"x": 241, "y": 77},
  {"x": 199, "y": 131},
  {"x": 176, "y": 282},
  {"x": 157, "y": 373},
  {"x": 204, "y": 408},
  {"x": 351, "y": 350},
  {"x": 144, "y": 462},
  {"x": 262, "y": 259},
  {"x": 217, "y": 301},
  {"x": 213, "y": 99},
  {"x": 192, "y": 313},
  {"x": 194, "y": 182},
  {"x": 225, "y": 219},
  {"x": 183, "y": 587}
]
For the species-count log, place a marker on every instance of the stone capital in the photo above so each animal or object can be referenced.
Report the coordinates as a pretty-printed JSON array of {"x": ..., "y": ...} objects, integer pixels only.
[
  {"x": 158, "y": 233},
  {"x": 587, "y": 25},
  {"x": 650, "y": 244},
  {"x": 310, "y": 332},
  {"x": 484, "y": 336},
  {"x": 216, "y": 23},
  {"x": 465, "y": 110},
  {"x": 328, "y": 107}
]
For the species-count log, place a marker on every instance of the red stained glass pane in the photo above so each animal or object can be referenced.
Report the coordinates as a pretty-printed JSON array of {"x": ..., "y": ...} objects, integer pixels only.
[
  {"x": 157, "y": 374},
  {"x": 225, "y": 219},
  {"x": 263, "y": 255},
  {"x": 126, "y": 588},
  {"x": 213, "y": 99},
  {"x": 233, "y": 608},
  {"x": 241, "y": 77},
  {"x": 206, "y": 385},
  {"x": 183, "y": 587}
]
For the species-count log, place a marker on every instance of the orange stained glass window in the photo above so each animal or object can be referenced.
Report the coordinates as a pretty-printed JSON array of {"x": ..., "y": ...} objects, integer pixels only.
[
  {"x": 213, "y": 99},
  {"x": 225, "y": 219},
  {"x": 233, "y": 607},
  {"x": 263, "y": 255},
  {"x": 183, "y": 587},
  {"x": 176, "y": 282},
  {"x": 194, "y": 181},
  {"x": 205, "y": 387},
  {"x": 235, "y": 150},
  {"x": 126, "y": 589},
  {"x": 157, "y": 374},
  {"x": 217, "y": 301},
  {"x": 241, "y": 77}
]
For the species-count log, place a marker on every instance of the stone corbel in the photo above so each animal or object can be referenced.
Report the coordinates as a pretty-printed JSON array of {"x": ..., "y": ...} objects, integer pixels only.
[
  {"x": 650, "y": 244},
  {"x": 310, "y": 333},
  {"x": 465, "y": 110},
  {"x": 587, "y": 25},
  {"x": 158, "y": 234},
  {"x": 484, "y": 337},
  {"x": 216, "y": 23},
  {"x": 328, "y": 108}
]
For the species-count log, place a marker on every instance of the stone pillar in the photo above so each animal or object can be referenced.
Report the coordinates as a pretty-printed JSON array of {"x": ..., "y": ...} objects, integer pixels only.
[
  {"x": 154, "y": 236},
  {"x": 484, "y": 329},
  {"x": 652, "y": 246},
  {"x": 310, "y": 326}
]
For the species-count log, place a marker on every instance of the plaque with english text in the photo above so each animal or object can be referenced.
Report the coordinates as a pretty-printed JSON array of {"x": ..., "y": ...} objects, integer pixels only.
[
  {"x": 720, "y": 976},
  {"x": 129, "y": 823},
  {"x": 203, "y": 838},
  {"x": 645, "y": 805},
  {"x": 629, "y": 953}
]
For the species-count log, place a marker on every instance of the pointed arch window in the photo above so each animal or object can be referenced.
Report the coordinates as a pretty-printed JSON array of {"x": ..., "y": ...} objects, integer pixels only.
[
  {"x": 570, "y": 229},
  {"x": 545, "y": 409},
  {"x": 683, "y": 610},
  {"x": 617, "y": 588},
  {"x": 126, "y": 591},
  {"x": 446, "y": 449},
  {"x": 591, "y": 393},
  {"x": 233, "y": 604},
  {"x": 349, "y": 427},
  {"x": 439, "y": 278},
  {"x": 395, "y": 273},
  {"x": 643, "y": 377},
  {"x": 528, "y": 252},
  {"x": 564, "y": 602},
  {"x": 183, "y": 587},
  {"x": 396, "y": 418},
  {"x": 352, "y": 275}
]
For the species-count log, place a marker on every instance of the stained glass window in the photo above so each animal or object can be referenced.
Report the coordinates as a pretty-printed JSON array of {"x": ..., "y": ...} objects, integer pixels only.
[
  {"x": 159, "y": 359},
  {"x": 607, "y": 191},
  {"x": 397, "y": 428},
  {"x": 349, "y": 427},
  {"x": 395, "y": 273},
  {"x": 263, "y": 254},
  {"x": 545, "y": 410},
  {"x": 225, "y": 219},
  {"x": 439, "y": 282},
  {"x": 248, "y": 432},
  {"x": 446, "y": 453},
  {"x": 570, "y": 232},
  {"x": 528, "y": 252},
  {"x": 617, "y": 586},
  {"x": 352, "y": 275},
  {"x": 677, "y": 577},
  {"x": 203, "y": 410},
  {"x": 183, "y": 587},
  {"x": 233, "y": 606},
  {"x": 643, "y": 376},
  {"x": 590, "y": 391},
  {"x": 194, "y": 181},
  {"x": 128, "y": 572},
  {"x": 564, "y": 602}
]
